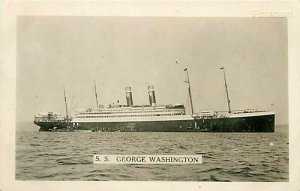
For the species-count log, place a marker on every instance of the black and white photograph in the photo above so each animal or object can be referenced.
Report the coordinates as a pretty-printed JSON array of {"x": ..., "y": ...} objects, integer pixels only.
[
  {"x": 157, "y": 86},
  {"x": 118, "y": 98}
]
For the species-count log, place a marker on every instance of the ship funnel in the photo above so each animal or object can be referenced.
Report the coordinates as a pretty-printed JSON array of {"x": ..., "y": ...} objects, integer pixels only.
[
  {"x": 151, "y": 94},
  {"x": 129, "y": 97}
]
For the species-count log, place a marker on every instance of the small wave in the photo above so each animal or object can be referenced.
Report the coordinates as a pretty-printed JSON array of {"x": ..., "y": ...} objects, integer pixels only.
[
  {"x": 164, "y": 150},
  {"x": 66, "y": 162},
  {"x": 96, "y": 175},
  {"x": 265, "y": 165},
  {"x": 94, "y": 179},
  {"x": 125, "y": 176},
  {"x": 257, "y": 173},
  {"x": 242, "y": 170},
  {"x": 93, "y": 171},
  {"x": 209, "y": 157},
  {"x": 49, "y": 175},
  {"x": 212, "y": 169},
  {"x": 183, "y": 147},
  {"x": 71, "y": 161},
  {"x": 35, "y": 145},
  {"x": 142, "y": 166},
  {"x": 246, "y": 168},
  {"x": 200, "y": 153},
  {"x": 214, "y": 178},
  {"x": 51, "y": 154},
  {"x": 121, "y": 150}
]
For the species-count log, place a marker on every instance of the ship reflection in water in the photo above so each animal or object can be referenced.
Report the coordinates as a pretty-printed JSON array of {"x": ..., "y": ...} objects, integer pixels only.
[
  {"x": 252, "y": 157},
  {"x": 157, "y": 118}
]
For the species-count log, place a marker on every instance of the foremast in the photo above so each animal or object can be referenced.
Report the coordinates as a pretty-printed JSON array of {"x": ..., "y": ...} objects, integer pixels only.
[
  {"x": 189, "y": 90},
  {"x": 66, "y": 105},
  {"x": 68, "y": 119},
  {"x": 226, "y": 88},
  {"x": 96, "y": 95}
]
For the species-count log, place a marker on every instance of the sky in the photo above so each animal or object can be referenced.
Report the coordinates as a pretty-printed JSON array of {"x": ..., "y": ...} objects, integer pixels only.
[{"x": 115, "y": 52}]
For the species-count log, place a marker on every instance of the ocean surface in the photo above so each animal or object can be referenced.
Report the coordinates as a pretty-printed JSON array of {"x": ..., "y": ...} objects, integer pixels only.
[{"x": 236, "y": 157}]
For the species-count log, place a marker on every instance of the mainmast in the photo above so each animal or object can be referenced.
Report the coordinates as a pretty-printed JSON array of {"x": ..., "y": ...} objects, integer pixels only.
[
  {"x": 228, "y": 100},
  {"x": 96, "y": 94},
  {"x": 66, "y": 104},
  {"x": 189, "y": 89}
]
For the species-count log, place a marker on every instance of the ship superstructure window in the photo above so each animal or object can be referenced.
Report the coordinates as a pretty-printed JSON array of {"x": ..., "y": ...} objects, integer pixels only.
[{"x": 130, "y": 115}]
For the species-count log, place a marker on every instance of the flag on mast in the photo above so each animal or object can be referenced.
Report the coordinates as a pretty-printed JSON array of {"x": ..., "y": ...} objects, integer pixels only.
[
  {"x": 185, "y": 69},
  {"x": 222, "y": 68}
]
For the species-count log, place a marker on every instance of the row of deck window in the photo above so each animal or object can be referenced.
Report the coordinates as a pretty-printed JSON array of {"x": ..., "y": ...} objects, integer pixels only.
[
  {"x": 141, "y": 111},
  {"x": 105, "y": 116}
]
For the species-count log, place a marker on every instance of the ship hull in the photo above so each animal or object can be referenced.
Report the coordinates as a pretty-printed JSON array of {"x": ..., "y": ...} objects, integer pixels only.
[
  {"x": 140, "y": 126},
  {"x": 52, "y": 126},
  {"x": 262, "y": 123}
]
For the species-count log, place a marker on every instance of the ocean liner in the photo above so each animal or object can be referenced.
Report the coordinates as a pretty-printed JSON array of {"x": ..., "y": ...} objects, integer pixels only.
[{"x": 157, "y": 118}]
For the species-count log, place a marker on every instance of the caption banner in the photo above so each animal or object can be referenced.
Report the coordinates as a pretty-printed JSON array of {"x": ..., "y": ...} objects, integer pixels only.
[{"x": 147, "y": 159}]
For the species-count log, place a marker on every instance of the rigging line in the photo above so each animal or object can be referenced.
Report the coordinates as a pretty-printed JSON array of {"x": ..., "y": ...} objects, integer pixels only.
[
  {"x": 238, "y": 95},
  {"x": 221, "y": 105},
  {"x": 75, "y": 104},
  {"x": 71, "y": 104},
  {"x": 207, "y": 103},
  {"x": 203, "y": 100}
]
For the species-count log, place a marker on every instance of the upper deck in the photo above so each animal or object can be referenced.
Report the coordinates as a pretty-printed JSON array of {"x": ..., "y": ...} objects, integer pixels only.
[{"x": 124, "y": 111}]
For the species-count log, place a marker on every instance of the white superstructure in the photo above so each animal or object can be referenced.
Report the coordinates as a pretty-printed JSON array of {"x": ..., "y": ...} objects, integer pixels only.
[{"x": 136, "y": 113}]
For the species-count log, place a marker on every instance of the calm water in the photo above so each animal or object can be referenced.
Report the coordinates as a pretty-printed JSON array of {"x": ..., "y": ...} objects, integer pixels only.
[{"x": 226, "y": 156}]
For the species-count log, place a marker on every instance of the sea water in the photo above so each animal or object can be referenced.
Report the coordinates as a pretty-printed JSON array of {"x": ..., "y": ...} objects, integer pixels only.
[{"x": 226, "y": 156}]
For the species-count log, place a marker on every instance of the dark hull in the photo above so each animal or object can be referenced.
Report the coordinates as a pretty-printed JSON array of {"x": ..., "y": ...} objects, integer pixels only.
[
  {"x": 54, "y": 126},
  {"x": 263, "y": 123}
]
